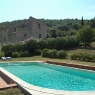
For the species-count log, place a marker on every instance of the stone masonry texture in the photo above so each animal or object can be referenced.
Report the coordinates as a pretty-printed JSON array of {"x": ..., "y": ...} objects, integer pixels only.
[{"x": 26, "y": 29}]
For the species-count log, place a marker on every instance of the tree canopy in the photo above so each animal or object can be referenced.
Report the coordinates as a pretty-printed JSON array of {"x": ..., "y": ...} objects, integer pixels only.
[{"x": 86, "y": 35}]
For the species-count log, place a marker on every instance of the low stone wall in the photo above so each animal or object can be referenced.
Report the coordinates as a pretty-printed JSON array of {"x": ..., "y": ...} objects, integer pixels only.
[{"x": 73, "y": 65}]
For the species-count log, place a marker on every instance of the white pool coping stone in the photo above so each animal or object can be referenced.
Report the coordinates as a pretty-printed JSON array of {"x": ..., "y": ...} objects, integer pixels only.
[{"x": 36, "y": 90}]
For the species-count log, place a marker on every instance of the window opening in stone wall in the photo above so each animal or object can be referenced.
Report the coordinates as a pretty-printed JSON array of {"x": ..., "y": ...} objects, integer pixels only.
[
  {"x": 25, "y": 35},
  {"x": 4, "y": 39},
  {"x": 39, "y": 35},
  {"x": 15, "y": 29},
  {"x": 38, "y": 25}
]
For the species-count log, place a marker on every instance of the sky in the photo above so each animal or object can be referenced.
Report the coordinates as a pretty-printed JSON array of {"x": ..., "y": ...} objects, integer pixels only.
[{"x": 48, "y": 9}]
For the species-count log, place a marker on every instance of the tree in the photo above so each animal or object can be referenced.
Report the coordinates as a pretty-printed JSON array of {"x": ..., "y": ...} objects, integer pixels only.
[
  {"x": 86, "y": 35},
  {"x": 8, "y": 49},
  {"x": 31, "y": 46},
  {"x": 53, "y": 33},
  {"x": 92, "y": 24},
  {"x": 75, "y": 26},
  {"x": 82, "y": 22}
]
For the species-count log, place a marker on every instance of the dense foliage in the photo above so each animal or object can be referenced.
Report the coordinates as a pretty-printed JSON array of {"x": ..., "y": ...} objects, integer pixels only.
[
  {"x": 66, "y": 27},
  {"x": 59, "y": 43},
  {"x": 15, "y": 54},
  {"x": 83, "y": 56},
  {"x": 86, "y": 35},
  {"x": 61, "y": 54},
  {"x": 2, "y": 54},
  {"x": 34, "y": 46},
  {"x": 52, "y": 53}
]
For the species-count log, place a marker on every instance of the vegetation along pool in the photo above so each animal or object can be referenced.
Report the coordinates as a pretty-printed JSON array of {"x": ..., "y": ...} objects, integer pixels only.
[{"x": 52, "y": 76}]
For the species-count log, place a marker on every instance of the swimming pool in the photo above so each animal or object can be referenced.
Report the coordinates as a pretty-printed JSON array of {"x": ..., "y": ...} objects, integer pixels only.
[{"x": 52, "y": 76}]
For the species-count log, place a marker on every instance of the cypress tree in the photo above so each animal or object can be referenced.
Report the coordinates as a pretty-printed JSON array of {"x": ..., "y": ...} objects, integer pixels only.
[{"x": 82, "y": 22}]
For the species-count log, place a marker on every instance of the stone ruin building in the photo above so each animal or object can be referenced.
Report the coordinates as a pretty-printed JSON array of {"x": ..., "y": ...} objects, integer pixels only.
[{"x": 26, "y": 29}]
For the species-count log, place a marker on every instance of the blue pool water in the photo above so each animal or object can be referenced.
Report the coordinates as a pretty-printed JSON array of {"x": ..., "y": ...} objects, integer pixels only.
[{"x": 52, "y": 76}]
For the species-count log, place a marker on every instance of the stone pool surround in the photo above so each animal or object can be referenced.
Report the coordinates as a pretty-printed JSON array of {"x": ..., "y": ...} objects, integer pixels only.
[
  {"x": 36, "y": 90},
  {"x": 73, "y": 65}
]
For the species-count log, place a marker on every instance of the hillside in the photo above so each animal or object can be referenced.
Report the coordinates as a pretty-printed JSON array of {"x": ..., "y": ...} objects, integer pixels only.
[{"x": 58, "y": 28}]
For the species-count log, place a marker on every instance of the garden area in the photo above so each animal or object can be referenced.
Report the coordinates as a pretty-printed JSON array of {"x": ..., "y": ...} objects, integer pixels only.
[{"x": 74, "y": 55}]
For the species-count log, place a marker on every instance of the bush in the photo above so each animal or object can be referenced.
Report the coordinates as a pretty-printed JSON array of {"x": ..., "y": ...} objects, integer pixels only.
[
  {"x": 74, "y": 56},
  {"x": 21, "y": 46},
  {"x": 8, "y": 49},
  {"x": 80, "y": 56},
  {"x": 84, "y": 56},
  {"x": 37, "y": 52},
  {"x": 93, "y": 57},
  {"x": 2, "y": 54},
  {"x": 15, "y": 54},
  {"x": 24, "y": 54},
  {"x": 45, "y": 53},
  {"x": 52, "y": 53},
  {"x": 89, "y": 57},
  {"x": 61, "y": 54}
]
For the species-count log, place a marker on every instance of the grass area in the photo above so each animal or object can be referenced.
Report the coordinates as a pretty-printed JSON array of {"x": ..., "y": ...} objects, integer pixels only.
[
  {"x": 11, "y": 91},
  {"x": 90, "y": 49},
  {"x": 39, "y": 58}
]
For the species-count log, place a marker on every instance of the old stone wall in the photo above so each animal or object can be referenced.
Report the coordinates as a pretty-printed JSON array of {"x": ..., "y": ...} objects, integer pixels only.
[
  {"x": 23, "y": 31},
  {"x": 4, "y": 36}
]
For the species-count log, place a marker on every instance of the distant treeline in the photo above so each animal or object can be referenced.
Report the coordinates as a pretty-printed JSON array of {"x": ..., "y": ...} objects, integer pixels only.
[
  {"x": 58, "y": 28},
  {"x": 66, "y": 27}
]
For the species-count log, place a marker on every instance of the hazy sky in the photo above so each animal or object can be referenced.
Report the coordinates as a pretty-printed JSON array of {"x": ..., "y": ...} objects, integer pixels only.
[{"x": 48, "y": 9}]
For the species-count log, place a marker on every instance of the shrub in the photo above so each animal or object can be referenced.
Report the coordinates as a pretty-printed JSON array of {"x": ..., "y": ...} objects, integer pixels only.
[
  {"x": 2, "y": 54},
  {"x": 37, "y": 52},
  {"x": 92, "y": 57},
  {"x": 84, "y": 56},
  {"x": 89, "y": 57},
  {"x": 74, "y": 56},
  {"x": 8, "y": 49},
  {"x": 80, "y": 56},
  {"x": 15, "y": 54},
  {"x": 21, "y": 46},
  {"x": 24, "y": 54},
  {"x": 32, "y": 45},
  {"x": 61, "y": 54},
  {"x": 52, "y": 53},
  {"x": 45, "y": 53}
]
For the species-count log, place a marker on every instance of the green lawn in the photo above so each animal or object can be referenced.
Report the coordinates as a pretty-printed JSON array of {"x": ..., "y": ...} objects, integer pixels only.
[
  {"x": 39, "y": 58},
  {"x": 11, "y": 91}
]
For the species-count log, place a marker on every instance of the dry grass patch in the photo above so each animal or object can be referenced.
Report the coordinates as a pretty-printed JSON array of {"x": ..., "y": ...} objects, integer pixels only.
[{"x": 11, "y": 91}]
